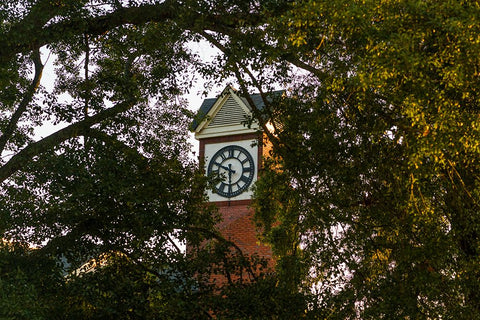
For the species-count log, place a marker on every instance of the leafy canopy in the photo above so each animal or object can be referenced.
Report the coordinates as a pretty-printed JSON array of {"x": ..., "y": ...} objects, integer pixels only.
[
  {"x": 113, "y": 185},
  {"x": 370, "y": 199}
]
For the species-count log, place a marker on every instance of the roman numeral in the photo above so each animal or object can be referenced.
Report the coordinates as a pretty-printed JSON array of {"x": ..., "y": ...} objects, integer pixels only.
[
  {"x": 222, "y": 186},
  {"x": 244, "y": 179}
]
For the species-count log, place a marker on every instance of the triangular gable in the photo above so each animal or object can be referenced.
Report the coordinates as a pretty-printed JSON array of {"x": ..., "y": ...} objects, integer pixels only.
[
  {"x": 224, "y": 114},
  {"x": 231, "y": 112}
]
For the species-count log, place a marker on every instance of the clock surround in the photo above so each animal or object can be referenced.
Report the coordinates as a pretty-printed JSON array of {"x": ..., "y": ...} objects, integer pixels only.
[
  {"x": 250, "y": 142},
  {"x": 234, "y": 167}
]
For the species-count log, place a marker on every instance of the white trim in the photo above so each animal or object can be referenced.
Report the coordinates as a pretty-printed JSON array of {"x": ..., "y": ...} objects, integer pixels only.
[
  {"x": 213, "y": 110},
  {"x": 225, "y": 131}
]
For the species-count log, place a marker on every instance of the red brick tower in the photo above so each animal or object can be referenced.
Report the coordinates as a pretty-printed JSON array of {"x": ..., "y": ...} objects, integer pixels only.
[{"x": 233, "y": 151}]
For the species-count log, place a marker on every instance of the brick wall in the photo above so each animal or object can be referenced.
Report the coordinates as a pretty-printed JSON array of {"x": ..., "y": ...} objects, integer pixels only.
[{"x": 238, "y": 226}]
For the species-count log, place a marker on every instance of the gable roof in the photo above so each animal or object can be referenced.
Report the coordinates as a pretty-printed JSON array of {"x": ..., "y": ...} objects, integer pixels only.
[{"x": 208, "y": 104}]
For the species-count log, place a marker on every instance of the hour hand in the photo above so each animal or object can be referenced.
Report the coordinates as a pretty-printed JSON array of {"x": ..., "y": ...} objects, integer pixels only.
[{"x": 229, "y": 169}]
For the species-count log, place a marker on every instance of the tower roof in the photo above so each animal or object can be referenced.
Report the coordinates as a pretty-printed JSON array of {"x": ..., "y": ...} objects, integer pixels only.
[{"x": 229, "y": 108}]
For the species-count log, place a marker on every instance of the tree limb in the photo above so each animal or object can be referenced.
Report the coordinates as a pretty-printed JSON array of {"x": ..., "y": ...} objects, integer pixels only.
[
  {"x": 74, "y": 130},
  {"x": 13, "y": 43},
  {"x": 10, "y": 129},
  {"x": 256, "y": 112},
  {"x": 217, "y": 236}
]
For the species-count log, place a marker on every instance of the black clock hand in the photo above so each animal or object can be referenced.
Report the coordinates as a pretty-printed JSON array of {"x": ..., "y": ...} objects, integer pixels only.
[
  {"x": 230, "y": 171},
  {"x": 229, "y": 168}
]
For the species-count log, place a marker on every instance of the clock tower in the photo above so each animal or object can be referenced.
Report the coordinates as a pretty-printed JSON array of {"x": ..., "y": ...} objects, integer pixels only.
[{"x": 232, "y": 152}]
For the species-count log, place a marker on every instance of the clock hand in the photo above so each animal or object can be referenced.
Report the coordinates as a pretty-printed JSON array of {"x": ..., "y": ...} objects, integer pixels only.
[{"x": 229, "y": 168}]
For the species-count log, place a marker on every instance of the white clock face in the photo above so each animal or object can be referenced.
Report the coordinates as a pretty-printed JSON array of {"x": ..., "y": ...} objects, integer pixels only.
[
  {"x": 235, "y": 163},
  {"x": 235, "y": 167}
]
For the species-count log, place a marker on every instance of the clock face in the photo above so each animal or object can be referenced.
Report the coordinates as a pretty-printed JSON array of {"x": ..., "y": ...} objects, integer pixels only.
[{"x": 235, "y": 166}]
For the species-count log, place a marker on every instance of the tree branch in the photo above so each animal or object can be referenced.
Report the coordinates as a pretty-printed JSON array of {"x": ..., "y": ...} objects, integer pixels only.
[
  {"x": 10, "y": 129},
  {"x": 256, "y": 112},
  {"x": 13, "y": 42},
  {"x": 119, "y": 145},
  {"x": 74, "y": 130},
  {"x": 217, "y": 236}
]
